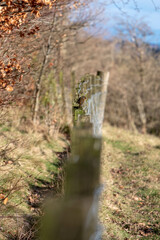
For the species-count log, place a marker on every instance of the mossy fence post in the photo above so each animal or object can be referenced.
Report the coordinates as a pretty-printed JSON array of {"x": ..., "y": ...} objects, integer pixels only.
[{"x": 75, "y": 217}]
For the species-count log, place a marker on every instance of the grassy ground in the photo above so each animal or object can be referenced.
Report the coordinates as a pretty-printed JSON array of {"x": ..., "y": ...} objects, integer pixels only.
[
  {"x": 130, "y": 203},
  {"x": 30, "y": 170}
]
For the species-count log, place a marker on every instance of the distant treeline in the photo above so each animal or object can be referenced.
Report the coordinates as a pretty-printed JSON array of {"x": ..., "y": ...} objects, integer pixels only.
[{"x": 134, "y": 85}]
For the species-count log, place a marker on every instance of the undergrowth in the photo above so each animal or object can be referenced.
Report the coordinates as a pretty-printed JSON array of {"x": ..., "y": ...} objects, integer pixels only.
[{"x": 31, "y": 170}]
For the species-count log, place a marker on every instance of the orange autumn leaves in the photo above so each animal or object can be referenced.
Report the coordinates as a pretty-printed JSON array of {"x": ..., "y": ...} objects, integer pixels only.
[
  {"x": 14, "y": 17},
  {"x": 10, "y": 71},
  {"x": 14, "y": 13},
  {"x": 9, "y": 88},
  {"x": 3, "y": 199}
]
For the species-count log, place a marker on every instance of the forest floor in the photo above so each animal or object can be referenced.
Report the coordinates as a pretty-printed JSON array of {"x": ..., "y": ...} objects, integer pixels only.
[
  {"x": 130, "y": 202},
  {"x": 31, "y": 169}
]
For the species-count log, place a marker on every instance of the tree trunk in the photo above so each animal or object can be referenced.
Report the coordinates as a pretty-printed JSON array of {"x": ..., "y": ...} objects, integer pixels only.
[
  {"x": 39, "y": 81},
  {"x": 61, "y": 80},
  {"x": 131, "y": 123},
  {"x": 142, "y": 114}
]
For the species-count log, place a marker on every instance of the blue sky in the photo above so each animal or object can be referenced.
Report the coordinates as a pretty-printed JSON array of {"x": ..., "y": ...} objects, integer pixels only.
[{"x": 148, "y": 10}]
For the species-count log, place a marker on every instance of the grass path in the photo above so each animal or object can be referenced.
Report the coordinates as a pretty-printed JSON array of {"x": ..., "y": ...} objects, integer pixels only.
[{"x": 130, "y": 203}]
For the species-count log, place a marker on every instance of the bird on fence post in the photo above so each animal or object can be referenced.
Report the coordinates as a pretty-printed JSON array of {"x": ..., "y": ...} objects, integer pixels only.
[
  {"x": 81, "y": 100},
  {"x": 100, "y": 74}
]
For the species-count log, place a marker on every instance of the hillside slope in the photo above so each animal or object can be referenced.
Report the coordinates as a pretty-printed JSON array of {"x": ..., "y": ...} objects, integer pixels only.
[
  {"x": 129, "y": 206},
  {"x": 30, "y": 170}
]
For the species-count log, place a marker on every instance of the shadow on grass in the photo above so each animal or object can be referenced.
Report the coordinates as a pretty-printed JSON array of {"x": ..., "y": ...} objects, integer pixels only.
[{"x": 40, "y": 191}]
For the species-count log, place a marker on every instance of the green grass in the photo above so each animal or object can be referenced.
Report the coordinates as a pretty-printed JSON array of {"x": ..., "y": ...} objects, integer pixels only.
[
  {"x": 122, "y": 146},
  {"x": 5, "y": 129},
  {"x": 129, "y": 206},
  {"x": 130, "y": 202},
  {"x": 27, "y": 169}
]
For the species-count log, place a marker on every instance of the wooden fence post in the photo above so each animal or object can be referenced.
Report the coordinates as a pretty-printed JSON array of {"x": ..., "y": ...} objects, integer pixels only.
[{"x": 75, "y": 217}]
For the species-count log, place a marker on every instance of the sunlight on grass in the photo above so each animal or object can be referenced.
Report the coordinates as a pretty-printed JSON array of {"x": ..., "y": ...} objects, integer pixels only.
[
  {"x": 129, "y": 207},
  {"x": 28, "y": 165},
  {"x": 123, "y": 146}
]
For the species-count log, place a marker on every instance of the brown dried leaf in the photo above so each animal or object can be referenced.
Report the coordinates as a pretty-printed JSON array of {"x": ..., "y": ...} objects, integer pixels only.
[
  {"x": 2, "y": 196},
  {"x": 9, "y": 88},
  {"x": 5, "y": 201}
]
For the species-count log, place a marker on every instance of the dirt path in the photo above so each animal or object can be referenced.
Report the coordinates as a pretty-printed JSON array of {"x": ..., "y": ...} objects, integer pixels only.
[{"x": 130, "y": 203}]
